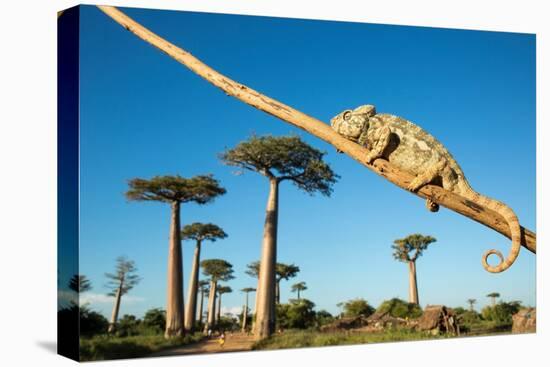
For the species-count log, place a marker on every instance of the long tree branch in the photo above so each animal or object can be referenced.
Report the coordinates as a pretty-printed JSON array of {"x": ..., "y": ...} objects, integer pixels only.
[{"x": 323, "y": 131}]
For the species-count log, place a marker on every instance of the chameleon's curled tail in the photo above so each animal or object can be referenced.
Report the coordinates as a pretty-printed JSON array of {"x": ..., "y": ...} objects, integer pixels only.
[{"x": 513, "y": 223}]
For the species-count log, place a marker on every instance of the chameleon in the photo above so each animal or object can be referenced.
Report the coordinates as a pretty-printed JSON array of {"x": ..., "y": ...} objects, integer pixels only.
[{"x": 413, "y": 150}]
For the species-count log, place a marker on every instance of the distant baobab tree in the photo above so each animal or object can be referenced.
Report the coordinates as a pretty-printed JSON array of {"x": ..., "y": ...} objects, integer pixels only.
[
  {"x": 282, "y": 271},
  {"x": 175, "y": 190},
  {"x": 493, "y": 296},
  {"x": 471, "y": 302},
  {"x": 121, "y": 282},
  {"x": 408, "y": 250},
  {"x": 199, "y": 232},
  {"x": 216, "y": 270},
  {"x": 279, "y": 159},
  {"x": 203, "y": 288},
  {"x": 245, "y": 308},
  {"x": 299, "y": 287},
  {"x": 221, "y": 290}
]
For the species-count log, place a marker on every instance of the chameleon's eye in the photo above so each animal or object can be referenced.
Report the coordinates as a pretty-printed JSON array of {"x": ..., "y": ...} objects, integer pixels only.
[{"x": 347, "y": 115}]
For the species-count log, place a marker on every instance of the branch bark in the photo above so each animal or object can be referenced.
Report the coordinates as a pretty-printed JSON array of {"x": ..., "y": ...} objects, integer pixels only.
[{"x": 322, "y": 130}]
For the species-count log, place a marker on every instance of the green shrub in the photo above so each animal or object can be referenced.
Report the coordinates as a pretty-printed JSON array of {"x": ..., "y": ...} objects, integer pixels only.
[
  {"x": 398, "y": 308},
  {"x": 357, "y": 307},
  {"x": 501, "y": 313}
]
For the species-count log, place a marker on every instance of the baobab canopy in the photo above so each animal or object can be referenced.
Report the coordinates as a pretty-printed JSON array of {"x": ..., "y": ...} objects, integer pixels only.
[
  {"x": 200, "y": 189},
  {"x": 284, "y": 158}
]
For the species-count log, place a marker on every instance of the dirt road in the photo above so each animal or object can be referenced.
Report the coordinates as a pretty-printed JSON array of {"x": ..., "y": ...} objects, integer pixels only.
[{"x": 233, "y": 343}]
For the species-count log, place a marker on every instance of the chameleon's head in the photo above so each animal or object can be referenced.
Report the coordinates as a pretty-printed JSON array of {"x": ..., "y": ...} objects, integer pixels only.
[{"x": 351, "y": 123}]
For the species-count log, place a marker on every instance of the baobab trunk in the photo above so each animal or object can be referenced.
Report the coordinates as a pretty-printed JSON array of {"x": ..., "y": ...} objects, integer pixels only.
[
  {"x": 191, "y": 309},
  {"x": 174, "y": 302},
  {"x": 413, "y": 289},
  {"x": 219, "y": 310},
  {"x": 277, "y": 293},
  {"x": 116, "y": 307},
  {"x": 211, "y": 318},
  {"x": 201, "y": 306},
  {"x": 298, "y": 294},
  {"x": 245, "y": 312},
  {"x": 265, "y": 297}
]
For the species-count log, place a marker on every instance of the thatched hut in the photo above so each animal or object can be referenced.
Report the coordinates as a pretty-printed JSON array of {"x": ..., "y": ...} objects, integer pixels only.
[
  {"x": 525, "y": 321},
  {"x": 438, "y": 319},
  {"x": 382, "y": 320},
  {"x": 345, "y": 323}
]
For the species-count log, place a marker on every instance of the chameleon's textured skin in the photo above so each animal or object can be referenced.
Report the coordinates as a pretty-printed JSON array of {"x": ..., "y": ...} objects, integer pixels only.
[{"x": 411, "y": 149}]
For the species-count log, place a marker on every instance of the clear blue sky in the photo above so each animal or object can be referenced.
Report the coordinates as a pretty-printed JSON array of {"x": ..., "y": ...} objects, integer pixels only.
[{"x": 143, "y": 114}]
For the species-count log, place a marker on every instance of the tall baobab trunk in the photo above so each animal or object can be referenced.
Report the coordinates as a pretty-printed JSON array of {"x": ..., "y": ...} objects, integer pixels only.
[
  {"x": 116, "y": 308},
  {"x": 219, "y": 310},
  {"x": 278, "y": 292},
  {"x": 493, "y": 301},
  {"x": 413, "y": 289},
  {"x": 265, "y": 297},
  {"x": 298, "y": 293},
  {"x": 174, "y": 302},
  {"x": 191, "y": 309},
  {"x": 245, "y": 313},
  {"x": 201, "y": 305},
  {"x": 211, "y": 318}
]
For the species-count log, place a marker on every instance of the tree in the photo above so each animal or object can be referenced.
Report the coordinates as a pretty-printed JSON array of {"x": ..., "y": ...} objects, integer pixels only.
[
  {"x": 175, "y": 190},
  {"x": 217, "y": 270},
  {"x": 278, "y": 159},
  {"x": 493, "y": 296},
  {"x": 221, "y": 290},
  {"x": 282, "y": 271},
  {"x": 121, "y": 282},
  {"x": 199, "y": 232},
  {"x": 155, "y": 319},
  {"x": 398, "y": 308},
  {"x": 203, "y": 287},
  {"x": 299, "y": 287},
  {"x": 402, "y": 248},
  {"x": 80, "y": 283},
  {"x": 128, "y": 326},
  {"x": 297, "y": 314},
  {"x": 471, "y": 302},
  {"x": 502, "y": 312},
  {"x": 356, "y": 307},
  {"x": 245, "y": 307},
  {"x": 323, "y": 317}
]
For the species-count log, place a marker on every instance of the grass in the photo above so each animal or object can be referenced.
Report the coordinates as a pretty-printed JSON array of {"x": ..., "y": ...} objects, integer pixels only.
[
  {"x": 111, "y": 347},
  {"x": 312, "y": 338}
]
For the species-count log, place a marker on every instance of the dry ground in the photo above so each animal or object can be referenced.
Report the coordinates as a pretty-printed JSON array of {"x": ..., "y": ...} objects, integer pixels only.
[{"x": 233, "y": 343}]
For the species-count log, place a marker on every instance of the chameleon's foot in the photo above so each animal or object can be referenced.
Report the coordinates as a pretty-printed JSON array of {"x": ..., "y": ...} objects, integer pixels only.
[
  {"x": 370, "y": 158},
  {"x": 415, "y": 184},
  {"x": 338, "y": 151},
  {"x": 431, "y": 206}
]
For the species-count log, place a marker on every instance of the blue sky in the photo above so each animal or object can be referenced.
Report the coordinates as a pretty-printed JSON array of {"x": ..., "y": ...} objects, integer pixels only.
[{"x": 143, "y": 114}]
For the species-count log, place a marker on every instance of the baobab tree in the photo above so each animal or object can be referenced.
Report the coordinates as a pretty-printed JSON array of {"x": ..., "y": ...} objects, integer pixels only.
[
  {"x": 80, "y": 283},
  {"x": 245, "y": 308},
  {"x": 493, "y": 296},
  {"x": 299, "y": 287},
  {"x": 203, "y": 288},
  {"x": 282, "y": 271},
  {"x": 121, "y": 282},
  {"x": 175, "y": 190},
  {"x": 408, "y": 250},
  {"x": 216, "y": 270},
  {"x": 279, "y": 159},
  {"x": 471, "y": 302},
  {"x": 221, "y": 290},
  {"x": 199, "y": 232}
]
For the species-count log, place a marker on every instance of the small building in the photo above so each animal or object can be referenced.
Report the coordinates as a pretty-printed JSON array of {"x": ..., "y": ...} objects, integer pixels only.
[{"x": 438, "y": 320}]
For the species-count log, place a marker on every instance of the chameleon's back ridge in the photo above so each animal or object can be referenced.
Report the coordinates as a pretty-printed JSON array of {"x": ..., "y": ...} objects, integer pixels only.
[{"x": 412, "y": 149}]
